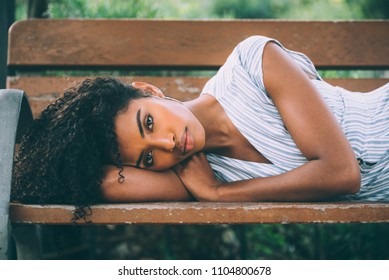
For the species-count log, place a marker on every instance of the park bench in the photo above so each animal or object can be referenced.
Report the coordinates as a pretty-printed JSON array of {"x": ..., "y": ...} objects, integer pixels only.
[{"x": 178, "y": 57}]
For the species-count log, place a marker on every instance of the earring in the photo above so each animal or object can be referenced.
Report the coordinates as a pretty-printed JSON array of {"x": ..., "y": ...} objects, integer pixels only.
[{"x": 172, "y": 99}]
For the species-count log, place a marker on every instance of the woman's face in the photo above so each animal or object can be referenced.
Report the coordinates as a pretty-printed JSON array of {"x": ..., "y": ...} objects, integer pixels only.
[{"x": 156, "y": 134}]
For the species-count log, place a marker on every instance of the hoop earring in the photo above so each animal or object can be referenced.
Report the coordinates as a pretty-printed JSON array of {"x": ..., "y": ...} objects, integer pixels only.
[{"x": 172, "y": 99}]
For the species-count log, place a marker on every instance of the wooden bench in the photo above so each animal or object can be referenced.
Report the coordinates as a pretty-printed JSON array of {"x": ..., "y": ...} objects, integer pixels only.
[{"x": 185, "y": 54}]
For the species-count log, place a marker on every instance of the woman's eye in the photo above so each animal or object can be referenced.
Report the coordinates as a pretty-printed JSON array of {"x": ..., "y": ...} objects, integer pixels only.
[
  {"x": 149, "y": 122},
  {"x": 148, "y": 160}
]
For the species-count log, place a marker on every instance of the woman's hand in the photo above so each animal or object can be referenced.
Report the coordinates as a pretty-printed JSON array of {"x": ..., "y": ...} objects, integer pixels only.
[{"x": 197, "y": 176}]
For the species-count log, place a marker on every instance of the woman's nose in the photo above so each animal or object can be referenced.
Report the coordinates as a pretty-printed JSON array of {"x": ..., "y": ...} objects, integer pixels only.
[{"x": 165, "y": 143}]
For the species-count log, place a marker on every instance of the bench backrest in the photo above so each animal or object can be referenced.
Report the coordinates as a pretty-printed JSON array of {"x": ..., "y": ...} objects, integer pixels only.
[{"x": 184, "y": 46}]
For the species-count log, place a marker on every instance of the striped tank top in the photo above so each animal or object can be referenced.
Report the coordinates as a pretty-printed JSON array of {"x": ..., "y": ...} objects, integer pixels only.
[{"x": 239, "y": 88}]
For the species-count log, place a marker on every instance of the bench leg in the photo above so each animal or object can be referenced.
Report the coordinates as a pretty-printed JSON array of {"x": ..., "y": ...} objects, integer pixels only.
[{"x": 27, "y": 242}]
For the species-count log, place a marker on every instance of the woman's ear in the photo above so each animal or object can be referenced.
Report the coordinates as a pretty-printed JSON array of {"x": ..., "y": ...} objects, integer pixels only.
[{"x": 153, "y": 90}]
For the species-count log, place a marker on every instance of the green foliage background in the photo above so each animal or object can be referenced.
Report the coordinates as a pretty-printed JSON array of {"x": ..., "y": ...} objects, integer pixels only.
[
  {"x": 186, "y": 9},
  {"x": 299, "y": 241}
]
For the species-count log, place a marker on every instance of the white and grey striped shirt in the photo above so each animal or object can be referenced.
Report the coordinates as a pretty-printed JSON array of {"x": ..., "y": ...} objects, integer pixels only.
[{"x": 239, "y": 88}]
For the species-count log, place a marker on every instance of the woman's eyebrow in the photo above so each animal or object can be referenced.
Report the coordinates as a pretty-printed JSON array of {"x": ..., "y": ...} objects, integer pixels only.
[
  {"x": 142, "y": 135},
  {"x": 139, "y": 124}
]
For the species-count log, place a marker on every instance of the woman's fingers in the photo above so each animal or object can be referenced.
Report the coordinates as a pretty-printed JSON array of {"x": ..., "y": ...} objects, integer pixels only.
[{"x": 197, "y": 176}]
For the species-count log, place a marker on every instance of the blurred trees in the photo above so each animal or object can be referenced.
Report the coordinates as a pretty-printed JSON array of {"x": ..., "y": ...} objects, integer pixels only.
[
  {"x": 303, "y": 9},
  {"x": 372, "y": 8},
  {"x": 101, "y": 9},
  {"x": 170, "y": 9},
  {"x": 37, "y": 8},
  {"x": 294, "y": 241}
]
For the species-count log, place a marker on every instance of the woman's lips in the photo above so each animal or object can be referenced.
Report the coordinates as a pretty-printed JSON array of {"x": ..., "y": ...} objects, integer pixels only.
[{"x": 187, "y": 141}]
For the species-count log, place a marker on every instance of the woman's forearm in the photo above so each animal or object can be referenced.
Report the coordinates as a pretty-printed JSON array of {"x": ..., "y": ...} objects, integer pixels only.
[
  {"x": 142, "y": 185},
  {"x": 315, "y": 180}
]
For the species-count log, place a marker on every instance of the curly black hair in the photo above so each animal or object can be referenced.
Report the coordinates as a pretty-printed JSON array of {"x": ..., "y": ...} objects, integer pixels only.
[{"x": 61, "y": 158}]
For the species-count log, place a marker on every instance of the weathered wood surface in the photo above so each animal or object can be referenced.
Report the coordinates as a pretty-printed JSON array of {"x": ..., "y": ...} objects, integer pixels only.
[
  {"x": 206, "y": 213},
  {"x": 193, "y": 44},
  {"x": 44, "y": 90}
]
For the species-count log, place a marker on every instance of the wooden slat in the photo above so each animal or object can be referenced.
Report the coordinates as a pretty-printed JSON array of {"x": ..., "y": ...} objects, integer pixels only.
[
  {"x": 203, "y": 44},
  {"x": 361, "y": 85},
  {"x": 183, "y": 88},
  {"x": 180, "y": 87},
  {"x": 43, "y": 90},
  {"x": 206, "y": 213}
]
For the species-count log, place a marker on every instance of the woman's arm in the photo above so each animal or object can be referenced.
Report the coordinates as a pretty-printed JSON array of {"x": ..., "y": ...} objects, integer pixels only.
[
  {"x": 331, "y": 169},
  {"x": 142, "y": 185}
]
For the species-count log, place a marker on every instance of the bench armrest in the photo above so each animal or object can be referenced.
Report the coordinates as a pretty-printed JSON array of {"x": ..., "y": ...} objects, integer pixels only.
[{"x": 15, "y": 117}]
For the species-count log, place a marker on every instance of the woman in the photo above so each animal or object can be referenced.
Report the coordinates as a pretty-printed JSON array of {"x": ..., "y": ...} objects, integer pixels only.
[{"x": 270, "y": 128}]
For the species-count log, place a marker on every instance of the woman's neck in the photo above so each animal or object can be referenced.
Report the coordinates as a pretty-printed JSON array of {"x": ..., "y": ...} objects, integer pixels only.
[{"x": 213, "y": 118}]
